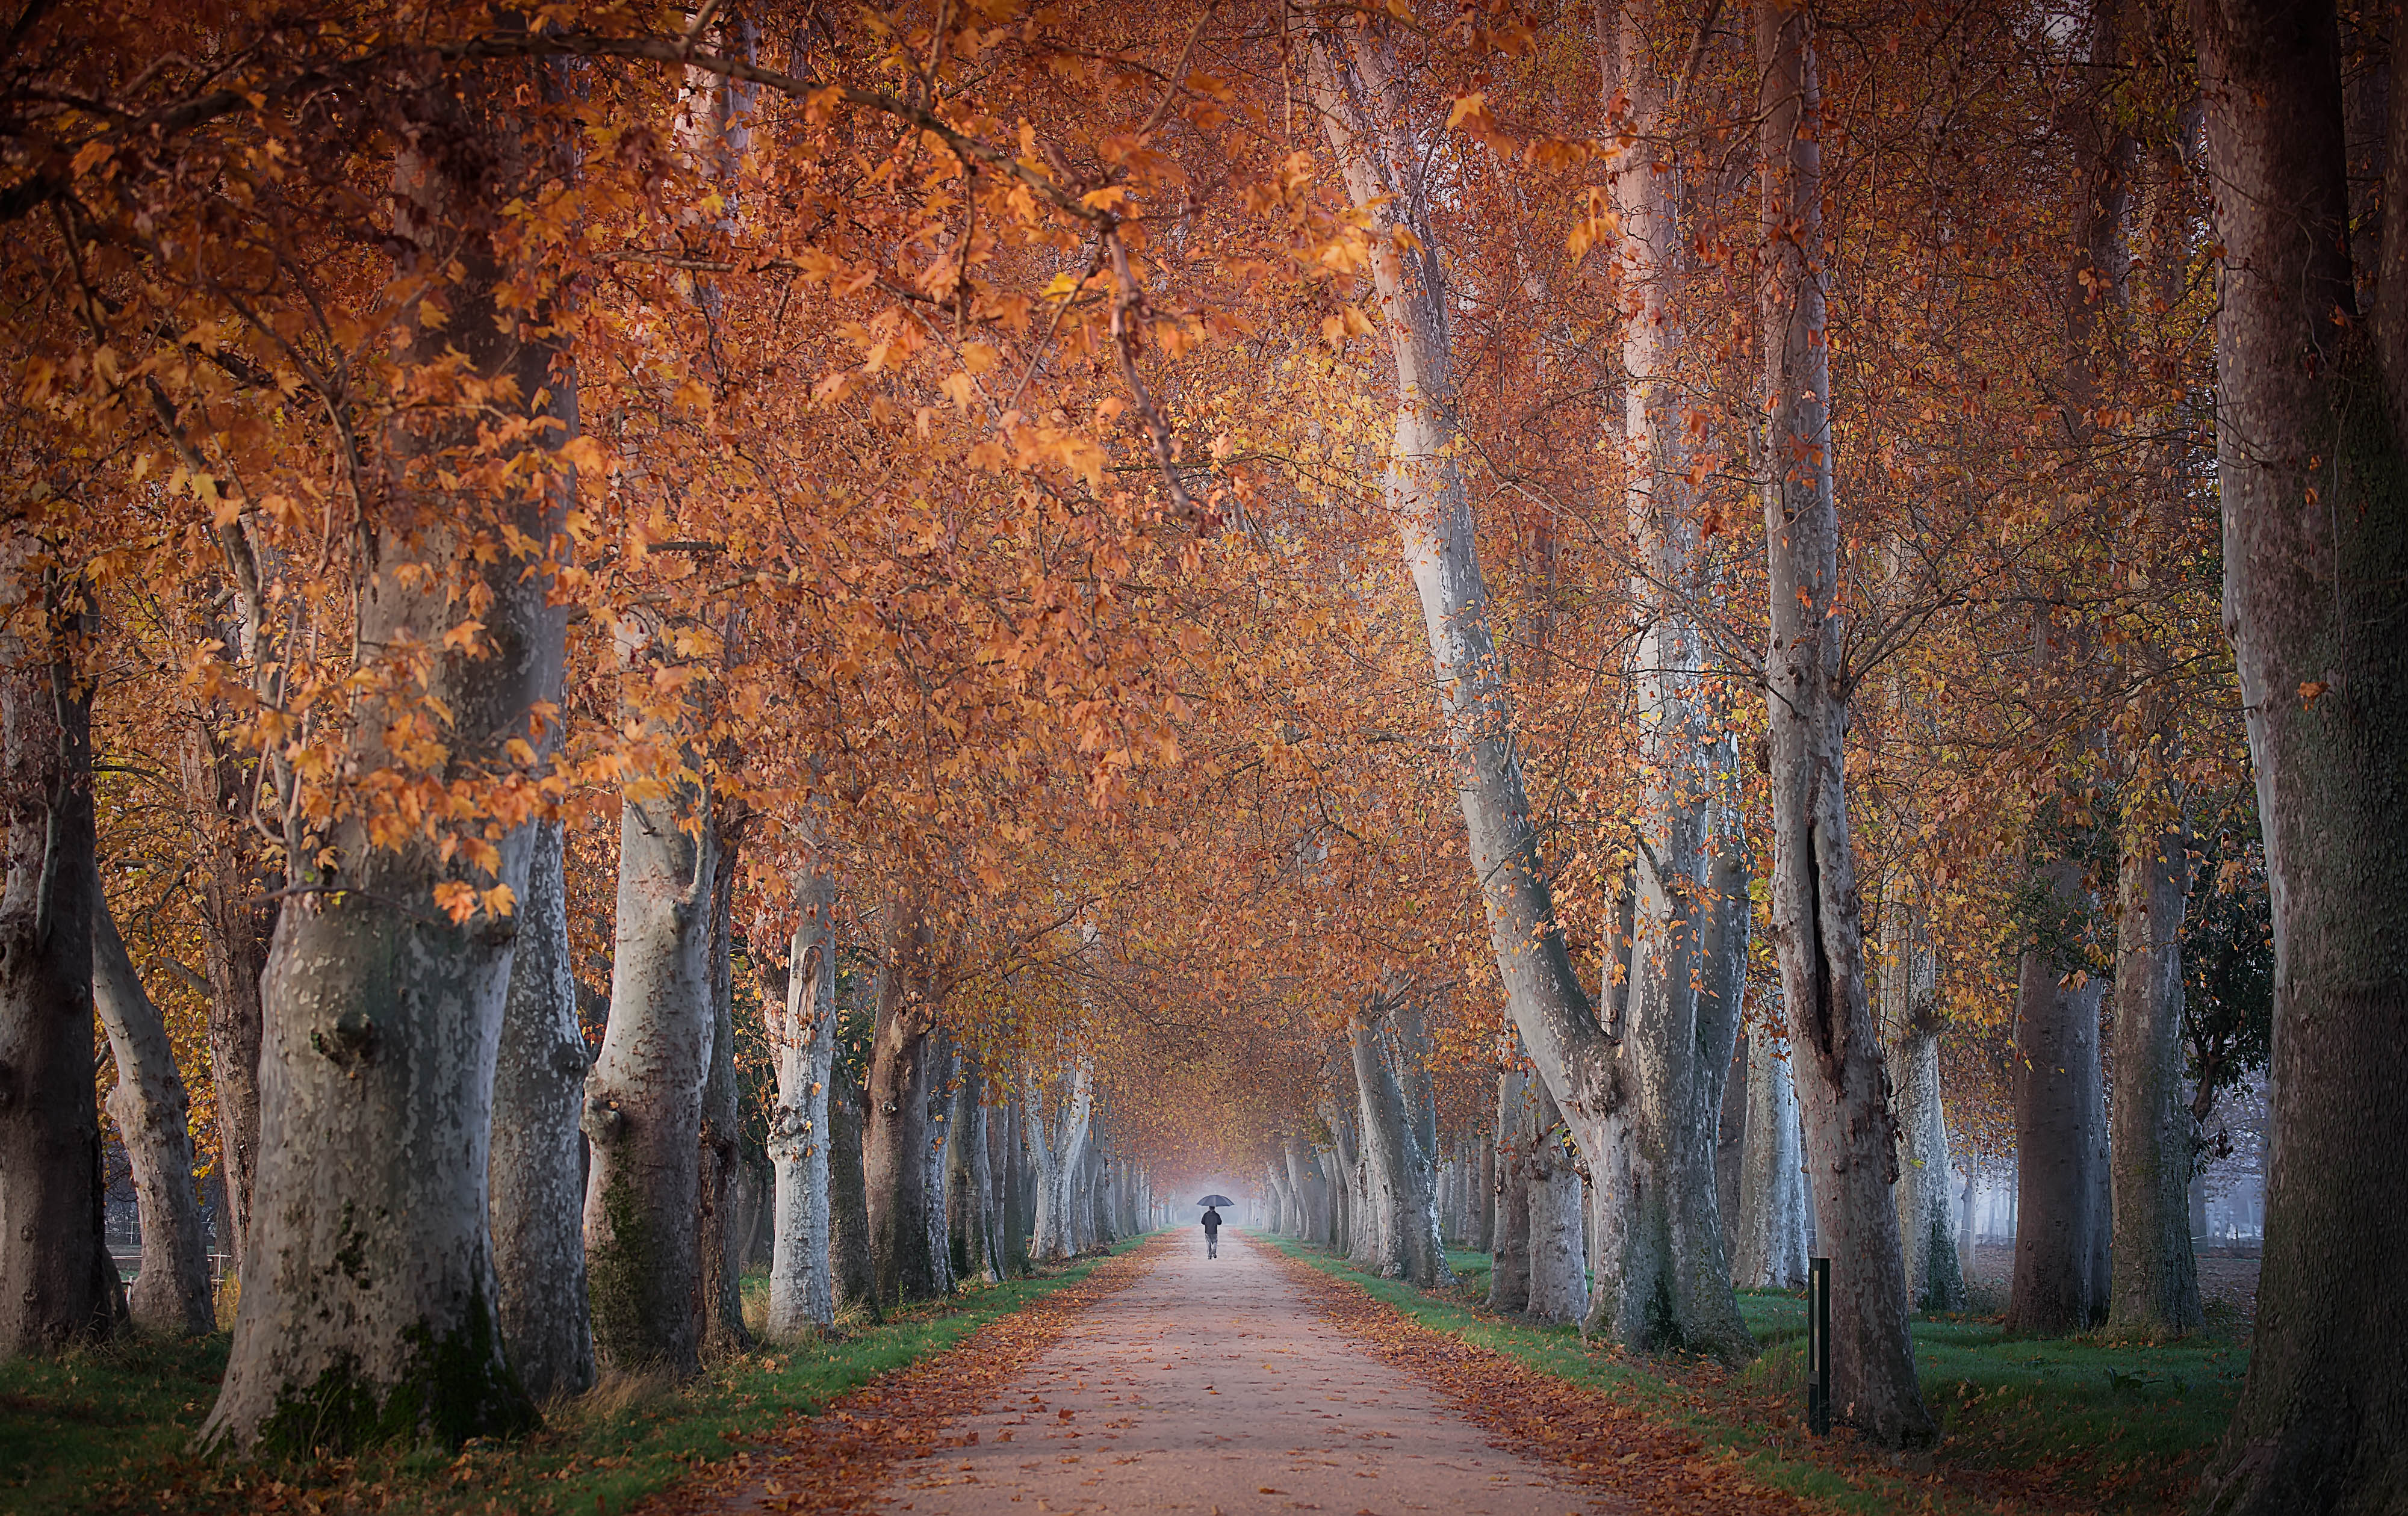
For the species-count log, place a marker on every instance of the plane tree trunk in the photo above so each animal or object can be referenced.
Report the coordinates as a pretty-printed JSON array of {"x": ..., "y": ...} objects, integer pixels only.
[
  {"x": 171, "y": 1292},
  {"x": 1817, "y": 927},
  {"x": 2153, "y": 1291},
  {"x": 2061, "y": 1203},
  {"x": 719, "y": 1300},
  {"x": 802, "y": 1291},
  {"x": 369, "y": 1307},
  {"x": 643, "y": 1099},
  {"x": 57, "y": 1283},
  {"x": 2314, "y": 495},
  {"x": 537, "y": 1163}
]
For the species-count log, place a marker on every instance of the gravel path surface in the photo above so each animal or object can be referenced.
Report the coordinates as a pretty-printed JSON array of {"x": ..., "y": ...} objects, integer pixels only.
[{"x": 1211, "y": 1387}]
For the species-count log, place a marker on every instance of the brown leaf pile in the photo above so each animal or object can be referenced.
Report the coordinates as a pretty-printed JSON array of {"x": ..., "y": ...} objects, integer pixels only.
[
  {"x": 836, "y": 1461},
  {"x": 1632, "y": 1463}
]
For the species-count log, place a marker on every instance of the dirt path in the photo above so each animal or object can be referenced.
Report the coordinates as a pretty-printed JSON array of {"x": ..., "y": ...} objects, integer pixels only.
[{"x": 1211, "y": 1387}]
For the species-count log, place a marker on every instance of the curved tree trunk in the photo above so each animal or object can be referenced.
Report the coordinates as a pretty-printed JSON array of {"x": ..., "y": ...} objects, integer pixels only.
[
  {"x": 171, "y": 1293},
  {"x": 536, "y": 1166},
  {"x": 1400, "y": 1180},
  {"x": 1057, "y": 1155},
  {"x": 57, "y": 1283},
  {"x": 801, "y": 1285},
  {"x": 1819, "y": 933},
  {"x": 369, "y": 1303}
]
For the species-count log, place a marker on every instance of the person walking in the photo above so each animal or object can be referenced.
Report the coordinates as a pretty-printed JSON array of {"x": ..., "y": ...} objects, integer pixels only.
[{"x": 1211, "y": 1233}]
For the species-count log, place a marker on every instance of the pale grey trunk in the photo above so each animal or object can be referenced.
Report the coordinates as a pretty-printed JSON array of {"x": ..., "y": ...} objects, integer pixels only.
[
  {"x": 369, "y": 1303},
  {"x": 802, "y": 1295},
  {"x": 236, "y": 928},
  {"x": 536, "y": 1168},
  {"x": 1911, "y": 1023},
  {"x": 1557, "y": 1237},
  {"x": 1019, "y": 1203},
  {"x": 1508, "y": 1272},
  {"x": 2154, "y": 1290},
  {"x": 969, "y": 1183},
  {"x": 1308, "y": 1219},
  {"x": 2062, "y": 1209},
  {"x": 1399, "y": 1188},
  {"x": 1057, "y": 1149},
  {"x": 1819, "y": 933},
  {"x": 171, "y": 1293},
  {"x": 941, "y": 1080},
  {"x": 643, "y": 1098},
  {"x": 1771, "y": 1253}
]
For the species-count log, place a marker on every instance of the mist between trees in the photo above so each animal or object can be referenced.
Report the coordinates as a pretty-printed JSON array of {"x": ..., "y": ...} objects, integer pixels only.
[{"x": 1641, "y": 632}]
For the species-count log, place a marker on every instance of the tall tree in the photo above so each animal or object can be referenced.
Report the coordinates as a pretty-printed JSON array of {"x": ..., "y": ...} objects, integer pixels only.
[
  {"x": 2312, "y": 414},
  {"x": 368, "y": 1290},
  {"x": 1817, "y": 926},
  {"x": 57, "y": 1285}
]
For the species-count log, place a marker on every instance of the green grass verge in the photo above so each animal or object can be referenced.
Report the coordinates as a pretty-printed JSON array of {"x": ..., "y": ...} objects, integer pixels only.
[
  {"x": 2045, "y": 1421},
  {"x": 107, "y": 1428}
]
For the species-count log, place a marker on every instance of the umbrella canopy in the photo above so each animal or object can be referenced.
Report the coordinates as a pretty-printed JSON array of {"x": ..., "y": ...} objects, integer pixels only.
[{"x": 1216, "y": 1200}]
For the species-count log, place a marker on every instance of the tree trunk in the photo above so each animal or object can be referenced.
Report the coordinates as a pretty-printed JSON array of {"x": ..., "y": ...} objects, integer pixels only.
[
  {"x": 171, "y": 1293},
  {"x": 851, "y": 1264},
  {"x": 536, "y": 1169},
  {"x": 2154, "y": 1290},
  {"x": 57, "y": 1283},
  {"x": 369, "y": 1305},
  {"x": 969, "y": 1189},
  {"x": 895, "y": 1155},
  {"x": 1018, "y": 1204},
  {"x": 2060, "y": 1132},
  {"x": 2316, "y": 536},
  {"x": 941, "y": 1063},
  {"x": 236, "y": 930},
  {"x": 1771, "y": 1250},
  {"x": 1558, "y": 1230},
  {"x": 1819, "y": 933},
  {"x": 1508, "y": 1262},
  {"x": 1399, "y": 1180},
  {"x": 718, "y": 1297},
  {"x": 1911, "y": 1025},
  {"x": 643, "y": 1099},
  {"x": 801, "y": 1286}
]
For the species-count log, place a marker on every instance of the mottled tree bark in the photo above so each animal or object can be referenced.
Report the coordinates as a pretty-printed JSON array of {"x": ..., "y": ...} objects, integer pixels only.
[
  {"x": 1399, "y": 1185},
  {"x": 57, "y": 1283},
  {"x": 895, "y": 1154},
  {"x": 536, "y": 1167},
  {"x": 1770, "y": 1251},
  {"x": 171, "y": 1292},
  {"x": 369, "y": 1303},
  {"x": 2315, "y": 555},
  {"x": 1817, "y": 926},
  {"x": 1508, "y": 1262},
  {"x": 1056, "y": 1148},
  {"x": 801, "y": 1285},
  {"x": 643, "y": 1099},
  {"x": 1559, "y": 1222}
]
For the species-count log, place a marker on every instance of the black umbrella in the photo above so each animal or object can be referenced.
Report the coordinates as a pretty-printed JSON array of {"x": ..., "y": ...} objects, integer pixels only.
[{"x": 1216, "y": 1200}]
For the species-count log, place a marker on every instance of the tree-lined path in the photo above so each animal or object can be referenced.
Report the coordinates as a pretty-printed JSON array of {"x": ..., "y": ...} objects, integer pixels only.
[{"x": 1211, "y": 1384}]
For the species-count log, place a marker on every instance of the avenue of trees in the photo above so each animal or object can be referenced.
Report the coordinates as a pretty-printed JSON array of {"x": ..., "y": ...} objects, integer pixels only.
[{"x": 641, "y": 636}]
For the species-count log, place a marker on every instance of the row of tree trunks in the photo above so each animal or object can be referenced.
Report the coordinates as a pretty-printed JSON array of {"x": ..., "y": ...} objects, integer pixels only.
[{"x": 1398, "y": 1188}]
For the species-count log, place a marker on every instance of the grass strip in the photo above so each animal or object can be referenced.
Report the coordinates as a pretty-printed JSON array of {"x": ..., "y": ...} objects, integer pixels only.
[
  {"x": 2036, "y": 1424},
  {"x": 107, "y": 1429}
]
